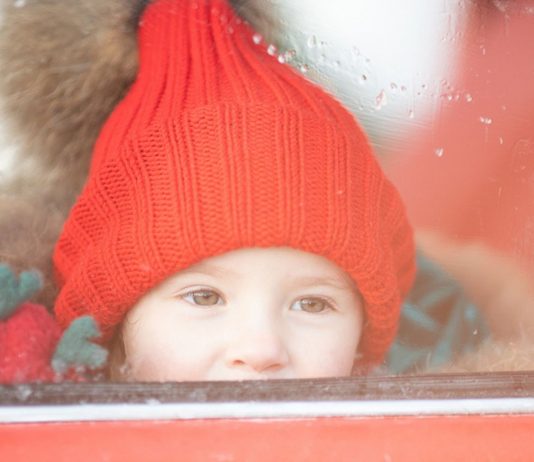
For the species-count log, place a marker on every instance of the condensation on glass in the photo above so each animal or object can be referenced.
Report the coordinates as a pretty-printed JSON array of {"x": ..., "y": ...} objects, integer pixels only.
[{"x": 444, "y": 91}]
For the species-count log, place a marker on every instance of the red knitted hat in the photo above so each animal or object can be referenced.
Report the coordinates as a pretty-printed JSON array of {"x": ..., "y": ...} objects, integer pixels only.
[{"x": 218, "y": 146}]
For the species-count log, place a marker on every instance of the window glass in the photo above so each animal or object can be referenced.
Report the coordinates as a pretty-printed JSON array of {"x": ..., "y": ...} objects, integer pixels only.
[{"x": 443, "y": 90}]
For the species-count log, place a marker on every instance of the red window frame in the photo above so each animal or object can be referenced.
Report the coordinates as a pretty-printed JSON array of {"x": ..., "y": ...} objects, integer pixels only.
[{"x": 488, "y": 416}]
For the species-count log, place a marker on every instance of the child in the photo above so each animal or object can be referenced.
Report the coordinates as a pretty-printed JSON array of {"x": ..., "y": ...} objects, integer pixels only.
[{"x": 235, "y": 223}]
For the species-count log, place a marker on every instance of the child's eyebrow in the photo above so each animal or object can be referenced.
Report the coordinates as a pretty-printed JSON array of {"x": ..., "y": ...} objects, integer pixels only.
[
  {"x": 211, "y": 270},
  {"x": 324, "y": 281}
]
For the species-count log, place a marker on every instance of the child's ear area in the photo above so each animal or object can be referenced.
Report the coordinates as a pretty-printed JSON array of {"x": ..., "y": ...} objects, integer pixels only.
[
  {"x": 117, "y": 370},
  {"x": 359, "y": 367}
]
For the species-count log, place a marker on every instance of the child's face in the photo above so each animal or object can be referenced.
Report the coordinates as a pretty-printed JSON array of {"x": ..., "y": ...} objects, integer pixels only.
[{"x": 248, "y": 314}]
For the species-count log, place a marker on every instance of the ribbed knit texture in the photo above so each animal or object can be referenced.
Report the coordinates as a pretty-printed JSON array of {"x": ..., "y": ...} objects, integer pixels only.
[{"x": 216, "y": 147}]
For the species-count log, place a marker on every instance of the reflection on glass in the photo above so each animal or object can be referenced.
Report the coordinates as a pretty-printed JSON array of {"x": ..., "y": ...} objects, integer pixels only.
[{"x": 443, "y": 92}]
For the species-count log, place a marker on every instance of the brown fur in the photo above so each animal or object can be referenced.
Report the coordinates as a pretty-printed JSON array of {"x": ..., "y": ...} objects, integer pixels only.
[
  {"x": 495, "y": 356},
  {"x": 65, "y": 64},
  {"x": 64, "y": 67}
]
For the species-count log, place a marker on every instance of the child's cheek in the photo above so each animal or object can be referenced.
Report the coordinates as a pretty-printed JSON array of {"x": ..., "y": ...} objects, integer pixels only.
[
  {"x": 336, "y": 361},
  {"x": 169, "y": 348},
  {"x": 166, "y": 361},
  {"x": 328, "y": 352}
]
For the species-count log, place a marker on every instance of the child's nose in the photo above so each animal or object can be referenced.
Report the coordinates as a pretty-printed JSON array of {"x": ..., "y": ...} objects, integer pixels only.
[{"x": 257, "y": 351}]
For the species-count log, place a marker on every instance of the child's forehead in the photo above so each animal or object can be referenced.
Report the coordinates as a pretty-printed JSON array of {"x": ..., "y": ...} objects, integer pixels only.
[{"x": 291, "y": 265}]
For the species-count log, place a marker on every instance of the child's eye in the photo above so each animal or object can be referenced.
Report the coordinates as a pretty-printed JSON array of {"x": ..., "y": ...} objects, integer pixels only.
[
  {"x": 203, "y": 297},
  {"x": 311, "y": 305}
]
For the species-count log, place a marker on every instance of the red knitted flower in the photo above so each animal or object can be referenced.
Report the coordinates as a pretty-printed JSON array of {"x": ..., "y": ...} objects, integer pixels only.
[
  {"x": 32, "y": 344},
  {"x": 28, "y": 340}
]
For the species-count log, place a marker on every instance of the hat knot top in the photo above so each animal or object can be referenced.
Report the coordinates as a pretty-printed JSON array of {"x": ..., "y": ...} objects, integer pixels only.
[{"x": 218, "y": 146}]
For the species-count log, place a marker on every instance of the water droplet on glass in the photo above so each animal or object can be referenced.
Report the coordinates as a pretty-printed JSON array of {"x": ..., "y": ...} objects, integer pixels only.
[
  {"x": 23, "y": 392},
  {"x": 486, "y": 120},
  {"x": 363, "y": 78},
  {"x": 502, "y": 5},
  {"x": 281, "y": 59},
  {"x": 439, "y": 152},
  {"x": 403, "y": 88},
  {"x": 393, "y": 86},
  {"x": 449, "y": 97},
  {"x": 124, "y": 370},
  {"x": 381, "y": 100},
  {"x": 501, "y": 140},
  {"x": 468, "y": 97},
  {"x": 271, "y": 49},
  {"x": 198, "y": 394},
  {"x": 289, "y": 55},
  {"x": 411, "y": 114},
  {"x": 312, "y": 41},
  {"x": 303, "y": 68},
  {"x": 257, "y": 38}
]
